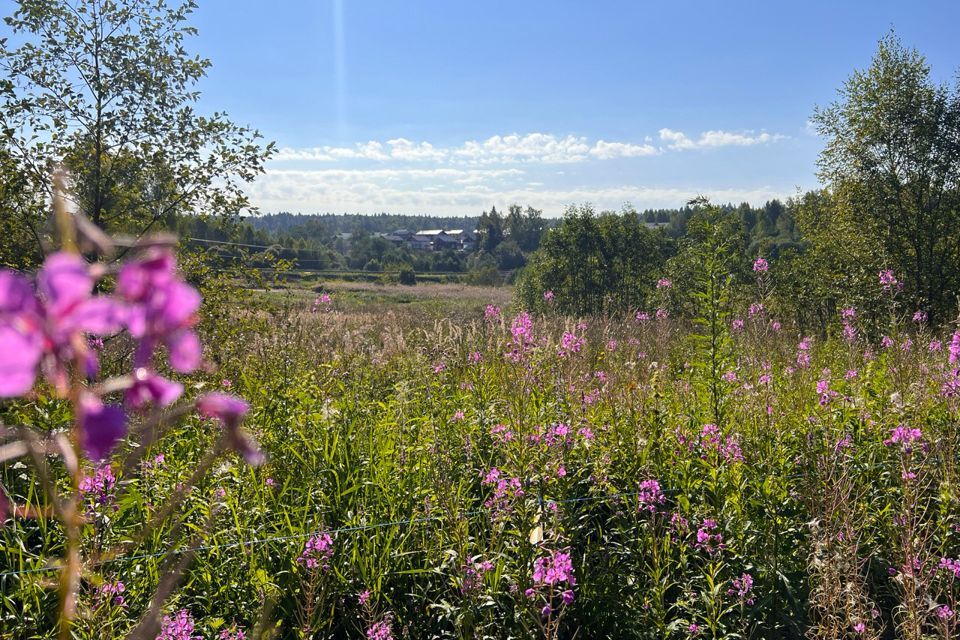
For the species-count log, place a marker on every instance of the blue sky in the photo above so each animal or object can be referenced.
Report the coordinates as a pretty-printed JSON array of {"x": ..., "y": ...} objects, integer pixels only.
[{"x": 449, "y": 107}]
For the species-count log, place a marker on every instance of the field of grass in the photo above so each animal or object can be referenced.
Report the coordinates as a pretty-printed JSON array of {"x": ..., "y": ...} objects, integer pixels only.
[{"x": 438, "y": 468}]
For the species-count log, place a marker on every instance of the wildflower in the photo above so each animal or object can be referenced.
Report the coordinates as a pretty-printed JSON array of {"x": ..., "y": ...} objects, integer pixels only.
[
  {"x": 955, "y": 348},
  {"x": 708, "y": 539},
  {"x": 557, "y": 568},
  {"x": 380, "y": 631},
  {"x": 859, "y": 627},
  {"x": 760, "y": 265},
  {"x": 888, "y": 280},
  {"x": 950, "y": 565},
  {"x": 664, "y": 283},
  {"x": 98, "y": 488},
  {"x": 570, "y": 343},
  {"x": 179, "y": 626},
  {"x": 905, "y": 436},
  {"x": 642, "y": 316},
  {"x": 886, "y": 342},
  {"x": 101, "y": 426},
  {"x": 742, "y": 587},
  {"x": 473, "y": 573},
  {"x": 439, "y": 367},
  {"x": 650, "y": 496},
  {"x": 567, "y": 596},
  {"x": 162, "y": 310},
  {"x": 935, "y": 346},
  {"x": 756, "y": 309},
  {"x": 492, "y": 312},
  {"x": 848, "y": 314},
  {"x": 737, "y": 325},
  {"x": 317, "y": 552},
  {"x": 548, "y": 296},
  {"x": 944, "y": 612},
  {"x": 662, "y": 314},
  {"x": 849, "y": 332},
  {"x": 230, "y": 410},
  {"x": 112, "y": 593},
  {"x": 363, "y": 597},
  {"x": 233, "y": 633},
  {"x": 919, "y": 317}
]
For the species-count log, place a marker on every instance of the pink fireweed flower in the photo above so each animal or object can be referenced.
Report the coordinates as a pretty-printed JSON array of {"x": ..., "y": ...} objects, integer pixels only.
[
  {"x": 950, "y": 565},
  {"x": 760, "y": 265},
  {"x": 905, "y": 436},
  {"x": 849, "y": 332},
  {"x": 935, "y": 346},
  {"x": 492, "y": 312},
  {"x": 570, "y": 343},
  {"x": 886, "y": 342},
  {"x": 742, "y": 587},
  {"x": 756, "y": 309},
  {"x": 473, "y": 572},
  {"x": 548, "y": 295},
  {"x": 98, "y": 488},
  {"x": 179, "y": 626},
  {"x": 380, "y": 631},
  {"x": 229, "y": 411},
  {"x": 859, "y": 627},
  {"x": 101, "y": 426},
  {"x": 642, "y": 316},
  {"x": 737, "y": 325},
  {"x": 664, "y": 283},
  {"x": 163, "y": 310},
  {"x": 662, "y": 314},
  {"x": 888, "y": 280},
  {"x": 363, "y": 597},
  {"x": 317, "y": 552},
  {"x": 955, "y": 348},
  {"x": 919, "y": 317},
  {"x": 111, "y": 593},
  {"x": 708, "y": 538},
  {"x": 650, "y": 496},
  {"x": 803, "y": 353},
  {"x": 944, "y": 612},
  {"x": 233, "y": 633},
  {"x": 557, "y": 568},
  {"x": 848, "y": 313}
]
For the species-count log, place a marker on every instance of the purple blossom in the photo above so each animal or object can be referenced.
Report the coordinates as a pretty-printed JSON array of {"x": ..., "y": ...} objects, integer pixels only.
[
  {"x": 548, "y": 296},
  {"x": 760, "y": 265},
  {"x": 380, "y": 631},
  {"x": 317, "y": 551},
  {"x": 955, "y": 348},
  {"x": 650, "y": 496},
  {"x": 230, "y": 410},
  {"x": 557, "y": 568},
  {"x": 101, "y": 426},
  {"x": 888, "y": 280},
  {"x": 179, "y": 626},
  {"x": 664, "y": 283}
]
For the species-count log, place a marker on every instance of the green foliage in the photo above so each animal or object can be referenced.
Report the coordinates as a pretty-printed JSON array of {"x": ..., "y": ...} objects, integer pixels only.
[
  {"x": 594, "y": 263},
  {"x": 892, "y": 163},
  {"x": 108, "y": 89}
]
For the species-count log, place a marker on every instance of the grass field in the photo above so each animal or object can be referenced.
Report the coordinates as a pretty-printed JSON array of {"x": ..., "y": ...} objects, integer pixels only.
[{"x": 437, "y": 468}]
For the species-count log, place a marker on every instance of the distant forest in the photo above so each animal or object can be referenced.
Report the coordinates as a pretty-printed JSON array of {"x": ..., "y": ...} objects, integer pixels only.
[{"x": 505, "y": 240}]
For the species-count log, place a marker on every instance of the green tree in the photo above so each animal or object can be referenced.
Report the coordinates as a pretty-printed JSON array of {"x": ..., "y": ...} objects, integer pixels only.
[
  {"x": 107, "y": 88},
  {"x": 595, "y": 263},
  {"x": 892, "y": 161}
]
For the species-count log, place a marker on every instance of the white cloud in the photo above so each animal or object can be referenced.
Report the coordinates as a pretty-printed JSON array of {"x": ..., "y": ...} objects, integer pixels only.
[
  {"x": 530, "y": 148},
  {"x": 678, "y": 141},
  {"x": 463, "y": 191},
  {"x": 609, "y": 150}
]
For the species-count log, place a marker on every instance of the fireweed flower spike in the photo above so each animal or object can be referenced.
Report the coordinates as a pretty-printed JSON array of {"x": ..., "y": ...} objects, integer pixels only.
[
  {"x": 21, "y": 343},
  {"x": 230, "y": 410},
  {"x": 101, "y": 426}
]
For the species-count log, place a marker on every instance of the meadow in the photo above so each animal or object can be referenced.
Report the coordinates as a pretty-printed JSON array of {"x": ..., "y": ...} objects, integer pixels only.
[{"x": 445, "y": 466}]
